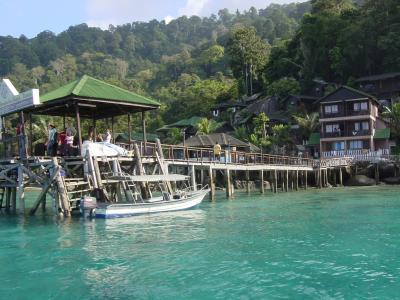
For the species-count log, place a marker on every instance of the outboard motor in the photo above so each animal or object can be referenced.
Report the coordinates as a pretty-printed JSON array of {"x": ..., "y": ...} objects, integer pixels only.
[{"x": 88, "y": 206}]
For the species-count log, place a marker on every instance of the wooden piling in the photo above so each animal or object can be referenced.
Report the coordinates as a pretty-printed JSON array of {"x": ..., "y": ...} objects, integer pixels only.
[
  {"x": 62, "y": 192},
  {"x": 193, "y": 177},
  {"x": 8, "y": 199},
  {"x": 262, "y": 187},
  {"x": 14, "y": 200},
  {"x": 228, "y": 184},
  {"x": 305, "y": 180},
  {"x": 287, "y": 181},
  {"x": 248, "y": 181},
  {"x": 340, "y": 177},
  {"x": 212, "y": 183},
  {"x": 20, "y": 191},
  {"x": 275, "y": 181}
]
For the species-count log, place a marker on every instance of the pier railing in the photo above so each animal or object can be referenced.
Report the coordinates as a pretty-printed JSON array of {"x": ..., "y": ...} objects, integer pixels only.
[
  {"x": 14, "y": 146},
  {"x": 206, "y": 155}
]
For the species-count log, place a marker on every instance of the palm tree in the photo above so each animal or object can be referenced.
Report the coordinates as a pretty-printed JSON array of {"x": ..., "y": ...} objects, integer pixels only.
[
  {"x": 241, "y": 133},
  {"x": 206, "y": 126},
  {"x": 393, "y": 115},
  {"x": 308, "y": 123}
]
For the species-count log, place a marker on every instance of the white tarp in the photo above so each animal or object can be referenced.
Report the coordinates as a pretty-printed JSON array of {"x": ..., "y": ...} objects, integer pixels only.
[{"x": 102, "y": 149}]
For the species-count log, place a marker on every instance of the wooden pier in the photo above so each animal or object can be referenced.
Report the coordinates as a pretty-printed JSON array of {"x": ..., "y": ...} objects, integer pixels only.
[{"x": 63, "y": 181}]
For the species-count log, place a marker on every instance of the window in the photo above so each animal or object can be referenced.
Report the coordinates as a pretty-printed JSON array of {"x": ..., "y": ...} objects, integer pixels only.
[
  {"x": 356, "y": 145},
  {"x": 364, "y": 105},
  {"x": 332, "y": 128},
  {"x": 358, "y": 126},
  {"x": 360, "y": 106},
  {"x": 331, "y": 109},
  {"x": 338, "y": 146}
]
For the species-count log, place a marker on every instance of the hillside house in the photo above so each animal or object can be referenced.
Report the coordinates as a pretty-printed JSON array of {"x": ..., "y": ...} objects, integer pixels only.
[{"x": 350, "y": 124}]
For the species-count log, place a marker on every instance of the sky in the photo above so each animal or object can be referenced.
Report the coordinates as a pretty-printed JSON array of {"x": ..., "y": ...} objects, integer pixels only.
[{"x": 30, "y": 17}]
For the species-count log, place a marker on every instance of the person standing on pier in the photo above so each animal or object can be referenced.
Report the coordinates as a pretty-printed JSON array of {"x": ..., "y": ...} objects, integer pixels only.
[
  {"x": 52, "y": 140},
  {"x": 217, "y": 151}
]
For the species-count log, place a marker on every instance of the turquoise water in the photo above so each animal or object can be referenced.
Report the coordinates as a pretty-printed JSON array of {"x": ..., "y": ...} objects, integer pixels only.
[{"x": 341, "y": 244}]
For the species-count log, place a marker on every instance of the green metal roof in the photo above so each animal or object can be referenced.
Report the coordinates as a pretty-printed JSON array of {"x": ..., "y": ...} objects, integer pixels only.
[
  {"x": 382, "y": 134},
  {"x": 90, "y": 88},
  {"x": 314, "y": 139},
  {"x": 191, "y": 122}
]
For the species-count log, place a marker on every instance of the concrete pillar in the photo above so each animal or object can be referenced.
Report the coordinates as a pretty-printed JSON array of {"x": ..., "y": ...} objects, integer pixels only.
[{"x": 340, "y": 176}]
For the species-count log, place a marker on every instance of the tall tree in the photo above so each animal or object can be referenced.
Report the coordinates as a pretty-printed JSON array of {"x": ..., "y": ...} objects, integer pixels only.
[{"x": 248, "y": 55}]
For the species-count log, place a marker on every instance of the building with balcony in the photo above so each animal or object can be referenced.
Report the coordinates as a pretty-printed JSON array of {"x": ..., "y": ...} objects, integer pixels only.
[{"x": 350, "y": 124}]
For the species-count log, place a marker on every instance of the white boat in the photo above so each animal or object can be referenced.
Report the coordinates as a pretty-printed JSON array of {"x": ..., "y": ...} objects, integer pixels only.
[
  {"x": 153, "y": 205},
  {"x": 179, "y": 200}
]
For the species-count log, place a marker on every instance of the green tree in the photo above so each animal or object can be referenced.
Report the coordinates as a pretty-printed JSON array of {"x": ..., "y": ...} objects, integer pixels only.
[
  {"x": 308, "y": 123},
  {"x": 248, "y": 55},
  {"x": 393, "y": 114},
  {"x": 207, "y": 126},
  {"x": 283, "y": 87},
  {"x": 260, "y": 136}
]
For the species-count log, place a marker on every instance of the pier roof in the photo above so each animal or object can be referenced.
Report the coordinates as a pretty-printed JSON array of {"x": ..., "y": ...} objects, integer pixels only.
[{"x": 94, "y": 97}]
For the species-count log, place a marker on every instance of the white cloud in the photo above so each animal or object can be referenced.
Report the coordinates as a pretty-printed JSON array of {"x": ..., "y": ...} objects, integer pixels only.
[
  {"x": 208, "y": 7},
  {"x": 194, "y": 7},
  {"x": 168, "y": 19},
  {"x": 101, "y": 13}
]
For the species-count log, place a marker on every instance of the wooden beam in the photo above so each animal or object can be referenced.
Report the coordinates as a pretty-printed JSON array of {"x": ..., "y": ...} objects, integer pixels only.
[
  {"x": 45, "y": 188},
  {"x": 144, "y": 128},
  {"x": 129, "y": 131},
  {"x": 30, "y": 135},
  {"x": 78, "y": 126}
]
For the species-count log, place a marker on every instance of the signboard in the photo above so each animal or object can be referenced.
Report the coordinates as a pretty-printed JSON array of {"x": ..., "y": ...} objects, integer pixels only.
[{"x": 12, "y": 101}]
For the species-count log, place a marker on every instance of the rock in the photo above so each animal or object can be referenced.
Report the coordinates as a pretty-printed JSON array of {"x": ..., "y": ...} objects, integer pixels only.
[
  {"x": 386, "y": 169},
  {"x": 392, "y": 180},
  {"x": 360, "y": 180}
]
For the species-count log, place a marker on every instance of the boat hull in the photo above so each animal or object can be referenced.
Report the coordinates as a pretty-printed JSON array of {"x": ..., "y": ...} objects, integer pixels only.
[{"x": 129, "y": 210}]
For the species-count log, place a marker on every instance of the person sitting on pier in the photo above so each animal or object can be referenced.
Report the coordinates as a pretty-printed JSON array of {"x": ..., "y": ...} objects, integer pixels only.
[
  {"x": 107, "y": 137},
  {"x": 217, "y": 151},
  {"x": 99, "y": 138}
]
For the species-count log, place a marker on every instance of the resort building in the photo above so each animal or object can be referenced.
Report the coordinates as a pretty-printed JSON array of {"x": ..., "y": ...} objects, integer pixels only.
[
  {"x": 383, "y": 86},
  {"x": 350, "y": 124}
]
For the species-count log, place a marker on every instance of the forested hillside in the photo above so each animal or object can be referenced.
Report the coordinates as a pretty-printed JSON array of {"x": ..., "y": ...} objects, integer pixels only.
[{"x": 193, "y": 63}]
